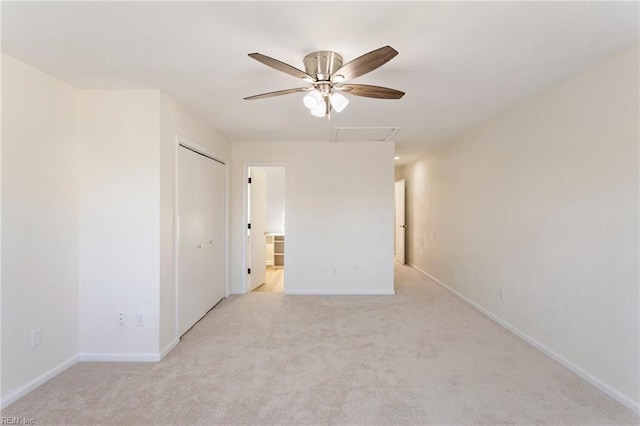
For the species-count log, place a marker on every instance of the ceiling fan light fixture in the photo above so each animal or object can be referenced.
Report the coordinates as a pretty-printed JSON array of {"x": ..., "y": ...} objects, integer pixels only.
[
  {"x": 339, "y": 101},
  {"x": 326, "y": 72},
  {"x": 313, "y": 100}
]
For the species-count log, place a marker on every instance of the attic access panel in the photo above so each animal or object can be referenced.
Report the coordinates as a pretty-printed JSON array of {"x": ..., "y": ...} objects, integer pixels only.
[{"x": 363, "y": 134}]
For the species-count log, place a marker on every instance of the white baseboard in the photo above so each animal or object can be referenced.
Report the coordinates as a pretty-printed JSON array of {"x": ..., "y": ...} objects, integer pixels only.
[
  {"x": 599, "y": 384},
  {"x": 104, "y": 357},
  {"x": 340, "y": 293},
  {"x": 120, "y": 357},
  {"x": 169, "y": 348},
  {"x": 22, "y": 391}
]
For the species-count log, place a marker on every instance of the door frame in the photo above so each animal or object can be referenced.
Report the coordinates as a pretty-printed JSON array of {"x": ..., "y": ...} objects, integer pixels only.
[
  {"x": 245, "y": 218},
  {"x": 181, "y": 141}
]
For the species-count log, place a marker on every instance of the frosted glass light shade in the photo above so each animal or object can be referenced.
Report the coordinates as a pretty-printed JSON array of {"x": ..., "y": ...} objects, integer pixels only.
[
  {"x": 313, "y": 100},
  {"x": 338, "y": 101},
  {"x": 320, "y": 110}
]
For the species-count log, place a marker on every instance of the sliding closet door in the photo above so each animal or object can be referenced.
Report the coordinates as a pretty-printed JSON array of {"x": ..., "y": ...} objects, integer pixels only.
[{"x": 200, "y": 236}]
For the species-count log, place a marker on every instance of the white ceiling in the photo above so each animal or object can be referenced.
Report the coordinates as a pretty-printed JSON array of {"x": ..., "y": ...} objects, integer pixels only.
[{"x": 460, "y": 63}]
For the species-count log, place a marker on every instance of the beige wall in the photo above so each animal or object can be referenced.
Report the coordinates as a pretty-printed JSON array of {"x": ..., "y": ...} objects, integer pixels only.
[
  {"x": 275, "y": 199},
  {"x": 542, "y": 202},
  {"x": 398, "y": 173},
  {"x": 128, "y": 178},
  {"x": 88, "y": 192},
  {"x": 119, "y": 222},
  {"x": 128, "y": 141},
  {"x": 338, "y": 218},
  {"x": 39, "y": 226}
]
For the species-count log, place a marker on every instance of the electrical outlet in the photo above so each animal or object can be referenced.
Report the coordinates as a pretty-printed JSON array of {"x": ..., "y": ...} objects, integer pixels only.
[
  {"x": 36, "y": 338},
  {"x": 139, "y": 319},
  {"x": 502, "y": 293},
  {"x": 122, "y": 319}
]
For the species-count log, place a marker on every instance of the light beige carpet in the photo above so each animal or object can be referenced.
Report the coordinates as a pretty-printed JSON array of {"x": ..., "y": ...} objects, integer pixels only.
[{"x": 420, "y": 357}]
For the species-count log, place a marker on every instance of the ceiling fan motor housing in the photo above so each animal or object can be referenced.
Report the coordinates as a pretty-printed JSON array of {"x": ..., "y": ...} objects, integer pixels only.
[{"x": 322, "y": 64}]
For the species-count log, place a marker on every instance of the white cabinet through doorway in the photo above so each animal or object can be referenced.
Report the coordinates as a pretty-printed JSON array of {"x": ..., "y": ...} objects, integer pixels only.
[{"x": 275, "y": 250}]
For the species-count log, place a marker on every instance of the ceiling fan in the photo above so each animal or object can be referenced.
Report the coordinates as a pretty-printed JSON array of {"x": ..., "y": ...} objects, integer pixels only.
[{"x": 327, "y": 75}]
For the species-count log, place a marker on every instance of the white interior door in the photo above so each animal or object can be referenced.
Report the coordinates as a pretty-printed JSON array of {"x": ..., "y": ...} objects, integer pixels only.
[
  {"x": 400, "y": 222},
  {"x": 257, "y": 219},
  {"x": 200, "y": 236}
]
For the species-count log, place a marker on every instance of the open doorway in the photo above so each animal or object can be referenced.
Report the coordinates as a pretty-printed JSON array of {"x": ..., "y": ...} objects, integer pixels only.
[{"x": 265, "y": 229}]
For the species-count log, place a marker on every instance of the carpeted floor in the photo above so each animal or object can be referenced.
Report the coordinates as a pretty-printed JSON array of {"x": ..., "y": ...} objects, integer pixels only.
[{"x": 420, "y": 357}]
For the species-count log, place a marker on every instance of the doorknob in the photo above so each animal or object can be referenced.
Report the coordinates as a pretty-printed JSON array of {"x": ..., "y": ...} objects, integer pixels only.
[
  {"x": 403, "y": 226},
  {"x": 199, "y": 245}
]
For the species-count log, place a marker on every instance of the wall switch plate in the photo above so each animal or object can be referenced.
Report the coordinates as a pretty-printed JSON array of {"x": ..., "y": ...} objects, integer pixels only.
[
  {"x": 36, "y": 338},
  {"x": 502, "y": 294},
  {"x": 139, "y": 319},
  {"x": 122, "y": 319}
]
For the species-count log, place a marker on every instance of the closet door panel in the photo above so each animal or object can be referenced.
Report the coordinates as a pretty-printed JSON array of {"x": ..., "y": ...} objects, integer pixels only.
[
  {"x": 190, "y": 229},
  {"x": 201, "y": 272},
  {"x": 216, "y": 241}
]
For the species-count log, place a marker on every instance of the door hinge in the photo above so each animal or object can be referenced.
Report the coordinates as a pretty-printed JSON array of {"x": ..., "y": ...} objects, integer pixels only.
[
  {"x": 249, "y": 180},
  {"x": 249, "y": 271},
  {"x": 248, "y": 226}
]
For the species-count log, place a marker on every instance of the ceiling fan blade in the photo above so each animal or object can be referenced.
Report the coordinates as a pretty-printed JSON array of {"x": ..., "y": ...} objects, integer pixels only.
[
  {"x": 366, "y": 63},
  {"x": 278, "y": 93},
  {"x": 369, "y": 91},
  {"x": 281, "y": 66}
]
